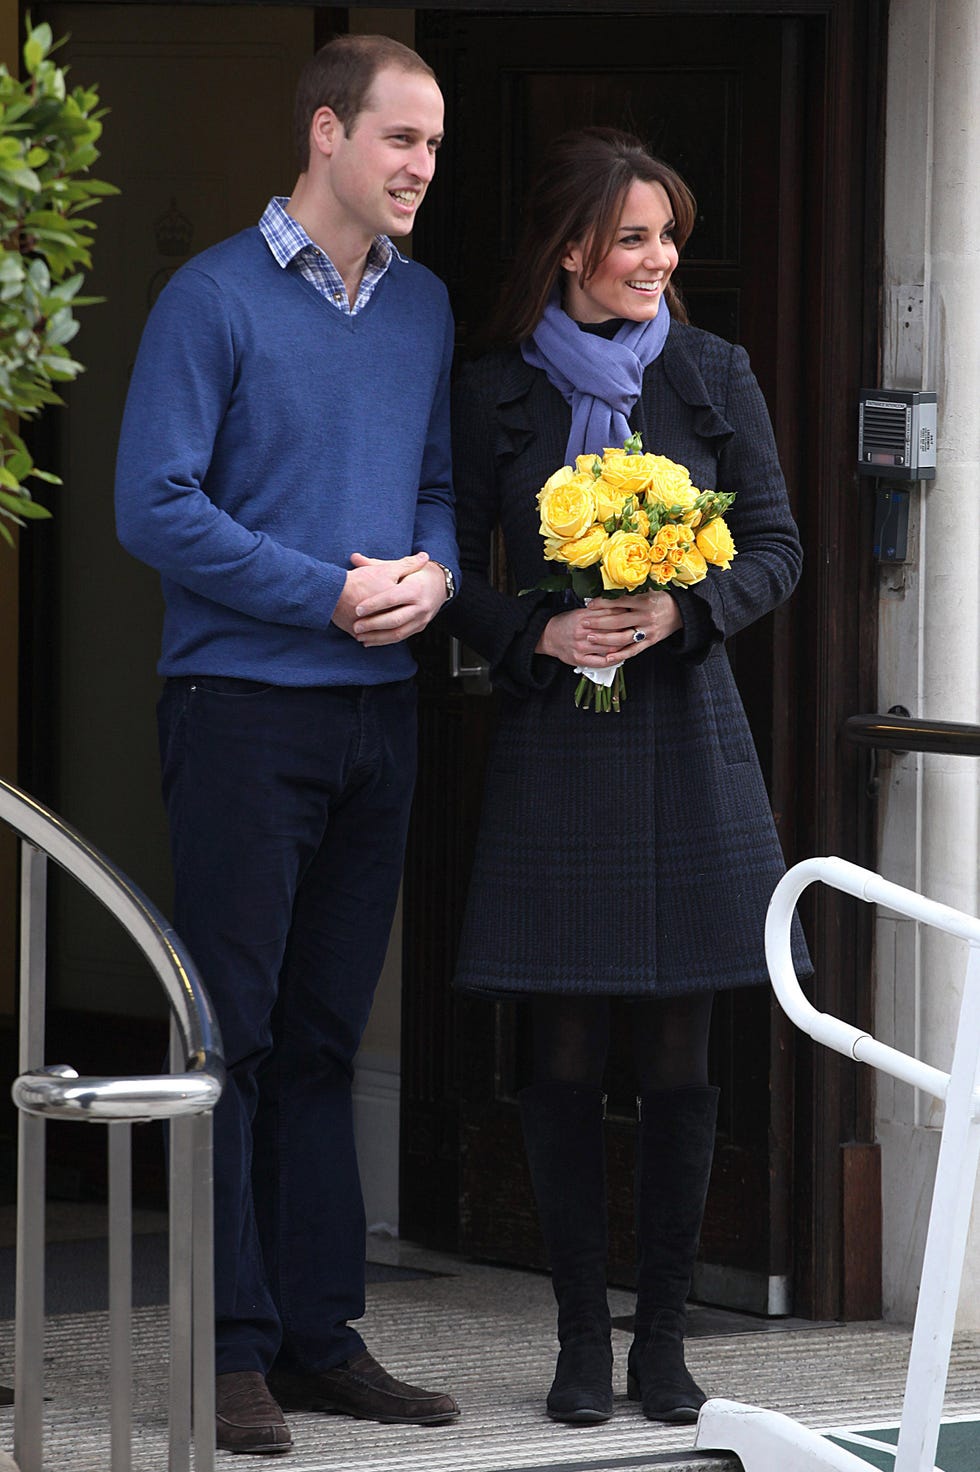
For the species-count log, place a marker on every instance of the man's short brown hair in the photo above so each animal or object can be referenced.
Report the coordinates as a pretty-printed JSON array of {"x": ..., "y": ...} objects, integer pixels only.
[{"x": 340, "y": 75}]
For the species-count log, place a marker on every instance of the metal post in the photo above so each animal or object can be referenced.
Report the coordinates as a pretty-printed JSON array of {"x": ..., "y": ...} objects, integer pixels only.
[
  {"x": 29, "y": 1328},
  {"x": 181, "y": 1287},
  {"x": 949, "y": 1225},
  {"x": 203, "y": 1288},
  {"x": 40, "y": 1092},
  {"x": 121, "y": 1294}
]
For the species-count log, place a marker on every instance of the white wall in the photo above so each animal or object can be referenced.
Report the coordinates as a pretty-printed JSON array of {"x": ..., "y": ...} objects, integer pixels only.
[{"x": 929, "y": 630}]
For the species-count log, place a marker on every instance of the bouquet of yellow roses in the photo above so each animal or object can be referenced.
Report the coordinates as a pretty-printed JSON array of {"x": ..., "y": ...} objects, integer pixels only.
[{"x": 624, "y": 523}]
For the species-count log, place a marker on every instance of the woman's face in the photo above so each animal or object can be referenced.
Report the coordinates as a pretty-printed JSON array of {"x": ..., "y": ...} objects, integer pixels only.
[{"x": 629, "y": 281}]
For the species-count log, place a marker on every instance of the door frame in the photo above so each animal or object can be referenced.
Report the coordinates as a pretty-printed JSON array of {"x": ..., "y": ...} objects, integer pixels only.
[{"x": 835, "y": 1157}]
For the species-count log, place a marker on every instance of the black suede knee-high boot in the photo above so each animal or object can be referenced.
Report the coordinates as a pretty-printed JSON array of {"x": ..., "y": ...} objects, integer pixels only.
[
  {"x": 675, "y": 1145},
  {"x": 563, "y": 1136}
]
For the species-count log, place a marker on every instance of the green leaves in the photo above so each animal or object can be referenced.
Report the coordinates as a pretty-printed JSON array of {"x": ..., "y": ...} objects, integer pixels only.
[
  {"x": 48, "y": 138},
  {"x": 583, "y": 582},
  {"x": 16, "y": 466},
  {"x": 36, "y": 47},
  {"x": 556, "y": 582}
]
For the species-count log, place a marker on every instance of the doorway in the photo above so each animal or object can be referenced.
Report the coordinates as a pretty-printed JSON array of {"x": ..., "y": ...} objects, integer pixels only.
[
  {"x": 774, "y": 119},
  {"x": 737, "y": 103}
]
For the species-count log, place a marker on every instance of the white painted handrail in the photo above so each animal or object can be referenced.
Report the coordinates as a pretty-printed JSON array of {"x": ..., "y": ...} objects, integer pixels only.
[
  {"x": 832, "y": 1031},
  {"x": 764, "y": 1439}
]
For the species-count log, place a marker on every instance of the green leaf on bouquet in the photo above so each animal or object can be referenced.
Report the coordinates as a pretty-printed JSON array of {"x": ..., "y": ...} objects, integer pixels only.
[
  {"x": 555, "y": 583},
  {"x": 586, "y": 582}
]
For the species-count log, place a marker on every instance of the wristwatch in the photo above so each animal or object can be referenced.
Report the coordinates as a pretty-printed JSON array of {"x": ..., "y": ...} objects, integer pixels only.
[{"x": 450, "y": 581}]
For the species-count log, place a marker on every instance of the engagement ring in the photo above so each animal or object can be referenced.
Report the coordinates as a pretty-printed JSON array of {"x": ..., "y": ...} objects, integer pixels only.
[{"x": 638, "y": 636}]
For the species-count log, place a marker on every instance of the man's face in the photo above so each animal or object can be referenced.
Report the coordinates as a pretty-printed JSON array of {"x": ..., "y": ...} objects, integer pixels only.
[{"x": 380, "y": 170}]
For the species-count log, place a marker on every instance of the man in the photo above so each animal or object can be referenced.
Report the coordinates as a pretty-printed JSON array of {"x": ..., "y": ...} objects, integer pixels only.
[{"x": 284, "y": 463}]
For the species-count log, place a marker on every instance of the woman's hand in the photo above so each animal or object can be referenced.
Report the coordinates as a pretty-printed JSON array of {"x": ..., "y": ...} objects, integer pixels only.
[{"x": 605, "y": 632}]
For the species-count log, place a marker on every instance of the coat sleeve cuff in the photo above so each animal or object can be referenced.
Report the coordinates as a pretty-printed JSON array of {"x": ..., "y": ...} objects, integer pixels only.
[
  {"x": 519, "y": 670},
  {"x": 700, "y": 633}
]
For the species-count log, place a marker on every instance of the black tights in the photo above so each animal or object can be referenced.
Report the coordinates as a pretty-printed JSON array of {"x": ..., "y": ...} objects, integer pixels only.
[{"x": 670, "y": 1040}]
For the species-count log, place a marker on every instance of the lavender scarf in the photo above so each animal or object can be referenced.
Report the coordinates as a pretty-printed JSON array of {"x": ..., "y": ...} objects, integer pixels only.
[{"x": 600, "y": 377}]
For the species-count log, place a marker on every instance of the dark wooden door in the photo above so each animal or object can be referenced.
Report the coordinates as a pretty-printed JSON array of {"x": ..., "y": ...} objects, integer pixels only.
[{"x": 726, "y": 99}]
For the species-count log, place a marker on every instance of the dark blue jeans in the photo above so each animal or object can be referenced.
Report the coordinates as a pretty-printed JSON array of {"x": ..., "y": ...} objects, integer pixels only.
[{"x": 288, "y": 812}]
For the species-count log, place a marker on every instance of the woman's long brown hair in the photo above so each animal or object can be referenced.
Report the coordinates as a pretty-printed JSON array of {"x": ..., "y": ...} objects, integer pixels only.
[{"x": 577, "y": 195}]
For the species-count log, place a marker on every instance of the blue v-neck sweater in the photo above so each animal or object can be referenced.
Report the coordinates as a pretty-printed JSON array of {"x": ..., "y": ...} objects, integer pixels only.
[{"x": 266, "y": 437}]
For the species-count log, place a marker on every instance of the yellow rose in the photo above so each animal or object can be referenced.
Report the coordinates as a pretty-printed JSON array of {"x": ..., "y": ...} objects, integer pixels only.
[
  {"x": 642, "y": 522},
  {"x": 567, "y": 508},
  {"x": 669, "y": 483},
  {"x": 625, "y": 561},
  {"x": 584, "y": 463},
  {"x": 583, "y": 551},
  {"x": 690, "y": 567},
  {"x": 558, "y": 479},
  {"x": 608, "y": 500},
  {"x": 670, "y": 544},
  {"x": 715, "y": 543},
  {"x": 662, "y": 572},
  {"x": 626, "y": 474}
]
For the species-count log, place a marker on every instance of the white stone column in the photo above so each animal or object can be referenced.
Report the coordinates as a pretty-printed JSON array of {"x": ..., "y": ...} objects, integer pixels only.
[{"x": 930, "y": 610}]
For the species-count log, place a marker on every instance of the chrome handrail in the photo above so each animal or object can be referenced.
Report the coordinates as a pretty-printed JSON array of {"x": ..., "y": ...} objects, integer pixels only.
[
  {"x": 186, "y": 1099},
  {"x": 157, "y": 1096},
  {"x": 156, "y": 938}
]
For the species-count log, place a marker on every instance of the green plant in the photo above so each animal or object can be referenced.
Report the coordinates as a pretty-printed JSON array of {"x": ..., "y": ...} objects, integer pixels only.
[{"x": 47, "y": 146}]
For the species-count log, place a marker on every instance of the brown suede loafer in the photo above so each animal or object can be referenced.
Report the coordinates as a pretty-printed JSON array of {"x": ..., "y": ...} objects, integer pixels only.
[
  {"x": 361, "y": 1387},
  {"x": 247, "y": 1419}
]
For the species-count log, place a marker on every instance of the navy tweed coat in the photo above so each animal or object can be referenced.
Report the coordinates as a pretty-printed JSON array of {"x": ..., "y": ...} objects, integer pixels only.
[{"x": 630, "y": 854}]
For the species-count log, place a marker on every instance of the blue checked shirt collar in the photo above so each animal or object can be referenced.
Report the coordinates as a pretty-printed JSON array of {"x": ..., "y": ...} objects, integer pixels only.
[{"x": 289, "y": 242}]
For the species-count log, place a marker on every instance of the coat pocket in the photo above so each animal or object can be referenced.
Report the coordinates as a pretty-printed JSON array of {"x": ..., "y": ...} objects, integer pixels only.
[{"x": 731, "y": 724}]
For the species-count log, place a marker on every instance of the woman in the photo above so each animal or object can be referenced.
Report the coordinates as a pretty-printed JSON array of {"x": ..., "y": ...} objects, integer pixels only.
[{"x": 622, "y": 855}]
